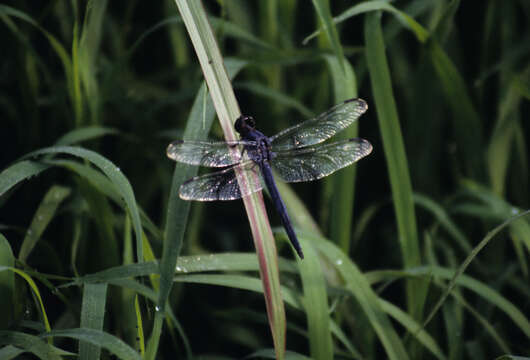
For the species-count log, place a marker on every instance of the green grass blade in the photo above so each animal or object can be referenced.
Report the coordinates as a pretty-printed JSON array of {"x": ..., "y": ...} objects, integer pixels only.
[
  {"x": 502, "y": 139},
  {"x": 44, "y": 214},
  {"x": 92, "y": 316},
  {"x": 114, "y": 174},
  {"x": 298, "y": 211},
  {"x": 29, "y": 343},
  {"x": 56, "y": 45},
  {"x": 316, "y": 304},
  {"x": 105, "y": 186},
  {"x": 441, "y": 215},
  {"x": 357, "y": 285},
  {"x": 229, "y": 29},
  {"x": 511, "y": 310},
  {"x": 376, "y": 5},
  {"x": 185, "y": 265},
  {"x": 18, "y": 172},
  {"x": 404, "y": 319},
  {"x": 119, "y": 272},
  {"x": 7, "y": 284},
  {"x": 35, "y": 290},
  {"x": 489, "y": 328},
  {"x": 10, "y": 352},
  {"x": 343, "y": 338},
  {"x": 89, "y": 45},
  {"x": 396, "y": 158},
  {"x": 486, "y": 292},
  {"x": 243, "y": 282},
  {"x": 99, "y": 338},
  {"x": 467, "y": 126},
  {"x": 342, "y": 200},
  {"x": 445, "y": 25},
  {"x": 84, "y": 134},
  {"x": 324, "y": 15},
  {"x": 77, "y": 96}
]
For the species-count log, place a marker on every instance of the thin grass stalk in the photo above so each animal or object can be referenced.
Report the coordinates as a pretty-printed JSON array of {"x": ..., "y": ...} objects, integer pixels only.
[{"x": 227, "y": 109}]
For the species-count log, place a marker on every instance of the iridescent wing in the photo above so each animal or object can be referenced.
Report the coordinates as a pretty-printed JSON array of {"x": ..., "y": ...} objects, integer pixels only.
[
  {"x": 206, "y": 153},
  {"x": 320, "y": 128},
  {"x": 222, "y": 185},
  {"x": 315, "y": 162}
]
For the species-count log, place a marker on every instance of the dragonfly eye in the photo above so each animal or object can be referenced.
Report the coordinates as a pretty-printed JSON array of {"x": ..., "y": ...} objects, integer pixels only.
[{"x": 244, "y": 124}]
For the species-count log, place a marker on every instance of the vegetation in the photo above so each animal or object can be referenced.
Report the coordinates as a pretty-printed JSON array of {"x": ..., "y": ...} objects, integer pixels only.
[{"x": 419, "y": 251}]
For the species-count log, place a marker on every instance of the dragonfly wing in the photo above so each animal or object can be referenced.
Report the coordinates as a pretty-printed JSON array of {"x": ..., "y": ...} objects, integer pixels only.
[
  {"x": 206, "y": 153},
  {"x": 221, "y": 185},
  {"x": 320, "y": 128},
  {"x": 315, "y": 162}
]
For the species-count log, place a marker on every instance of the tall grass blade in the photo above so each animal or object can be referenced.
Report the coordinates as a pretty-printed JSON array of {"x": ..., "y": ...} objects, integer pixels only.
[
  {"x": 316, "y": 304},
  {"x": 92, "y": 317},
  {"x": 7, "y": 283},
  {"x": 44, "y": 214},
  {"x": 467, "y": 128},
  {"x": 396, "y": 158},
  {"x": 88, "y": 55},
  {"x": 227, "y": 109},
  {"x": 500, "y": 149}
]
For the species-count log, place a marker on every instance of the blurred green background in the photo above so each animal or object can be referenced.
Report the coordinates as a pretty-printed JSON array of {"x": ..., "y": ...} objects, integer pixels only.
[{"x": 448, "y": 88}]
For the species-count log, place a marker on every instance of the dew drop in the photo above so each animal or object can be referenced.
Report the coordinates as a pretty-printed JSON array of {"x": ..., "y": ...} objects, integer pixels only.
[
  {"x": 515, "y": 211},
  {"x": 118, "y": 169},
  {"x": 339, "y": 262},
  {"x": 178, "y": 268},
  {"x": 157, "y": 308}
]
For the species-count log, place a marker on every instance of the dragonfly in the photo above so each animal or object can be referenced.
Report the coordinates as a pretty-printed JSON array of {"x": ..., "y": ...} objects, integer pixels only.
[{"x": 295, "y": 154}]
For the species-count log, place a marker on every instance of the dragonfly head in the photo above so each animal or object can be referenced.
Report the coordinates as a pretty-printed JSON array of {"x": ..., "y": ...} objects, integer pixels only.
[{"x": 244, "y": 124}]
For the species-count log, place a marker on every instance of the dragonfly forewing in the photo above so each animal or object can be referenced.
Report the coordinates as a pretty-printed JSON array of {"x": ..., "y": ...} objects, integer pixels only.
[
  {"x": 320, "y": 128},
  {"x": 223, "y": 184},
  {"x": 207, "y": 153},
  {"x": 315, "y": 162}
]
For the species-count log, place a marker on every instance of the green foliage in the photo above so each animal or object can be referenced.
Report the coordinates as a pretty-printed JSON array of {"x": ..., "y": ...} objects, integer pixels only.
[{"x": 419, "y": 251}]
